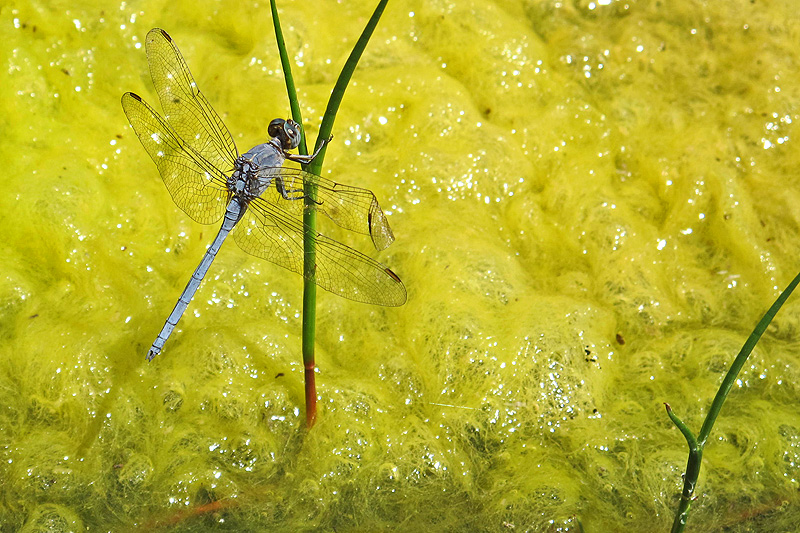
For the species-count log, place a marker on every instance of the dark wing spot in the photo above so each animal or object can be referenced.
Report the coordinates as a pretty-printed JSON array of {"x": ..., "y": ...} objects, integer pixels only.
[{"x": 392, "y": 275}]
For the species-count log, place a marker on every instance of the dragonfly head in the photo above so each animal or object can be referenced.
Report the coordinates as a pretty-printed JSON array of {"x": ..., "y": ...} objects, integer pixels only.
[{"x": 286, "y": 131}]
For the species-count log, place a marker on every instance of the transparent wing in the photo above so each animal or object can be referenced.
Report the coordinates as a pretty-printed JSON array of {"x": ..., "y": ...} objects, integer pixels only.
[
  {"x": 196, "y": 185},
  {"x": 185, "y": 107},
  {"x": 272, "y": 234},
  {"x": 349, "y": 207}
]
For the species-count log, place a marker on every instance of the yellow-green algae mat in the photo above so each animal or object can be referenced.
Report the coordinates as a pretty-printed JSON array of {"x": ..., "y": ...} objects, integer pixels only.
[{"x": 594, "y": 202}]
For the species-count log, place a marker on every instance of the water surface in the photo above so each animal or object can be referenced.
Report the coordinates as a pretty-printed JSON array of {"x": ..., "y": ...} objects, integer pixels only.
[{"x": 593, "y": 203}]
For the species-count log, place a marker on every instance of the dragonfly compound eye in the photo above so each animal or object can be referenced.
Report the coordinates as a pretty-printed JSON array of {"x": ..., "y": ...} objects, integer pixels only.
[
  {"x": 275, "y": 128},
  {"x": 292, "y": 132}
]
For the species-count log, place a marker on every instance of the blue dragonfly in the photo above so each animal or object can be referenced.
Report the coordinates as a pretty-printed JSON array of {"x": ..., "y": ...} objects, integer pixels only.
[{"x": 259, "y": 201}]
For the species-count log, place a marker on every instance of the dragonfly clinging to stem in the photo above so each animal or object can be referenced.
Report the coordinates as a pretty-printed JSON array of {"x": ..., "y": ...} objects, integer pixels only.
[{"x": 259, "y": 200}]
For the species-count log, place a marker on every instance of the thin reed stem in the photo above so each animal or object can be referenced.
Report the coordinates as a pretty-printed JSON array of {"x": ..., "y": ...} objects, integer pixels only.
[
  {"x": 696, "y": 445},
  {"x": 310, "y": 213}
]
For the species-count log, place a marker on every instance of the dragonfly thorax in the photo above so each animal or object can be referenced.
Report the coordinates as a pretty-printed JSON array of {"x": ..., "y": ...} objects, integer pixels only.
[{"x": 261, "y": 156}]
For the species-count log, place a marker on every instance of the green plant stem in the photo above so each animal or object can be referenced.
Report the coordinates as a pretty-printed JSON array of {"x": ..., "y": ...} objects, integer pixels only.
[
  {"x": 697, "y": 445},
  {"x": 294, "y": 104},
  {"x": 310, "y": 193},
  {"x": 687, "y": 433},
  {"x": 309, "y": 228},
  {"x": 310, "y": 213},
  {"x": 337, "y": 94},
  {"x": 692, "y": 467}
]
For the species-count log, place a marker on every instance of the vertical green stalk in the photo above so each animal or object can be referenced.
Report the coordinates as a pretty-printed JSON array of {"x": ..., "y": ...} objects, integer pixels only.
[
  {"x": 696, "y": 445},
  {"x": 309, "y": 228},
  {"x": 310, "y": 213},
  {"x": 287, "y": 75}
]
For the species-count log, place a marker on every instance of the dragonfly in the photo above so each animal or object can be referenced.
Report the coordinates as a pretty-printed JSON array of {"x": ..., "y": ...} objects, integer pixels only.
[{"x": 261, "y": 202}]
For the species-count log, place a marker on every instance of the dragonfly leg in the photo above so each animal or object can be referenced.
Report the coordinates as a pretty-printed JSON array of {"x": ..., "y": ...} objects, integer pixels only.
[
  {"x": 306, "y": 159},
  {"x": 290, "y": 194}
]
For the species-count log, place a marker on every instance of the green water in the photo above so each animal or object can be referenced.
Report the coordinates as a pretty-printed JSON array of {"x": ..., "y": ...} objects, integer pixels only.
[{"x": 593, "y": 206}]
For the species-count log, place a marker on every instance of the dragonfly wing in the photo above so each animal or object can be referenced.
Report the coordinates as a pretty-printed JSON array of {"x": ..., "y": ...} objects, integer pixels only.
[
  {"x": 185, "y": 107},
  {"x": 196, "y": 185},
  {"x": 351, "y": 208},
  {"x": 267, "y": 232}
]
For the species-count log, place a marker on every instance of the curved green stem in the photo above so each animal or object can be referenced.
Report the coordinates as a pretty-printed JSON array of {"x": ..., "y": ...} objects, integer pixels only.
[
  {"x": 696, "y": 445},
  {"x": 337, "y": 94},
  {"x": 687, "y": 433}
]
